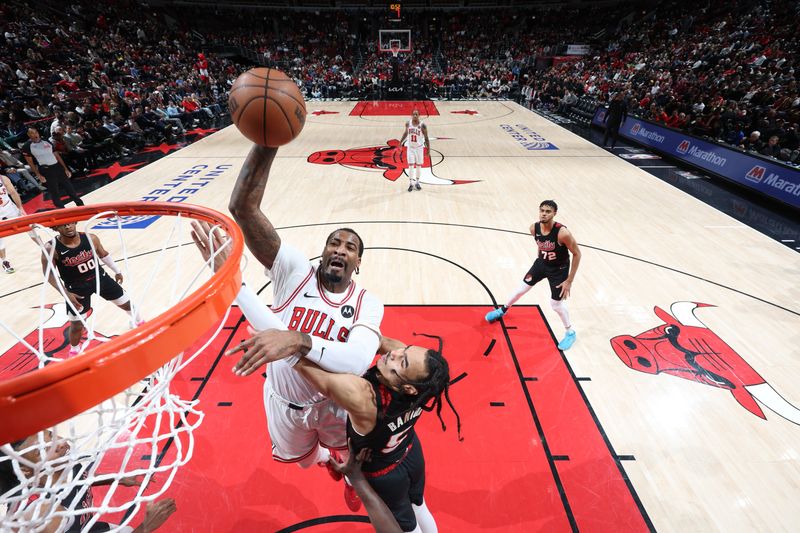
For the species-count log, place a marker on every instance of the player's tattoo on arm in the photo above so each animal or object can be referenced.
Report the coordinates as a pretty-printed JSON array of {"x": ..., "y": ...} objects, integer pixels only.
[{"x": 245, "y": 205}]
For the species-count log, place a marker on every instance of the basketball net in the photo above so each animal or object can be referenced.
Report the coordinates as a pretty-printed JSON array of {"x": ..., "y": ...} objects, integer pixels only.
[
  {"x": 132, "y": 443},
  {"x": 394, "y": 47}
]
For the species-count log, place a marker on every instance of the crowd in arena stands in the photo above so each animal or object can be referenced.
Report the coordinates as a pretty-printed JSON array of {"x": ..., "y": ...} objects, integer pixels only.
[
  {"x": 726, "y": 72},
  {"x": 102, "y": 79},
  {"x": 334, "y": 54},
  {"x": 99, "y": 81}
]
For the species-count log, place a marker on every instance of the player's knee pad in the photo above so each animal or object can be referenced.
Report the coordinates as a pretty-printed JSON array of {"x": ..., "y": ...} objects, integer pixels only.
[{"x": 557, "y": 305}]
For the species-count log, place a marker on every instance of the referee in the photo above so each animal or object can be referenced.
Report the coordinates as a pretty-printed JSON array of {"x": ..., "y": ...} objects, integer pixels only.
[{"x": 49, "y": 168}]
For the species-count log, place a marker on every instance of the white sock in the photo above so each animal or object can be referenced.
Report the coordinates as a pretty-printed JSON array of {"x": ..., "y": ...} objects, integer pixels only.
[
  {"x": 518, "y": 293},
  {"x": 321, "y": 456},
  {"x": 425, "y": 521},
  {"x": 560, "y": 307}
]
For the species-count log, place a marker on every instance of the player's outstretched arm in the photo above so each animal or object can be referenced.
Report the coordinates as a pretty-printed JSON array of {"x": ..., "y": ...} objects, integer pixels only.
[
  {"x": 380, "y": 516},
  {"x": 245, "y": 205},
  {"x": 352, "y": 393}
]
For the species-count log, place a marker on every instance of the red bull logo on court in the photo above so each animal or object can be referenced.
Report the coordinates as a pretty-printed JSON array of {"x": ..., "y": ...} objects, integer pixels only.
[
  {"x": 388, "y": 159},
  {"x": 685, "y": 348}
]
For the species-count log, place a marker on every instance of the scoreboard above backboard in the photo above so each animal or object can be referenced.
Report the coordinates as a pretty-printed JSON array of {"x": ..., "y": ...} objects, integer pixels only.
[{"x": 394, "y": 9}]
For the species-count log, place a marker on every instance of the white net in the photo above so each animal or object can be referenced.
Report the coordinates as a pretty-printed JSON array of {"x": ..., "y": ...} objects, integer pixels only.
[{"x": 103, "y": 465}]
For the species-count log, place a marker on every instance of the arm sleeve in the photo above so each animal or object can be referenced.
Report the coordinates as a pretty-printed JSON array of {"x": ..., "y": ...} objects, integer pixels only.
[
  {"x": 354, "y": 356},
  {"x": 256, "y": 312}
]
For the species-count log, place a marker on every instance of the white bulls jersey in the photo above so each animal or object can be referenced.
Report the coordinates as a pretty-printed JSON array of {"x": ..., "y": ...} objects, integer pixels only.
[
  {"x": 304, "y": 305},
  {"x": 415, "y": 137},
  {"x": 8, "y": 209}
]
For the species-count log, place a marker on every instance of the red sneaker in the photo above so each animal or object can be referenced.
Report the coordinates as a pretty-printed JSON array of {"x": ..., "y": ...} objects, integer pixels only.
[
  {"x": 351, "y": 498},
  {"x": 333, "y": 473}
]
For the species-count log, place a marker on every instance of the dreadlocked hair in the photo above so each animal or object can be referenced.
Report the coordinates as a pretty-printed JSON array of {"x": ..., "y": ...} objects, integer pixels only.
[{"x": 437, "y": 383}]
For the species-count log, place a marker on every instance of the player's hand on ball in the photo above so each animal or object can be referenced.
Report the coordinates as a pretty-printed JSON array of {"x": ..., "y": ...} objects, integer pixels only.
[
  {"x": 210, "y": 240},
  {"x": 265, "y": 347}
]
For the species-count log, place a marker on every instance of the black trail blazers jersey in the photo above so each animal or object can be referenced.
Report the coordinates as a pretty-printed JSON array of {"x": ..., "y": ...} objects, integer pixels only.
[{"x": 394, "y": 427}]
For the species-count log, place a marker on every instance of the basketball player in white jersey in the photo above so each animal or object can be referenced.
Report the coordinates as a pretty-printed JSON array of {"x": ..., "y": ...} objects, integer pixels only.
[
  {"x": 332, "y": 322},
  {"x": 415, "y": 131},
  {"x": 10, "y": 207}
]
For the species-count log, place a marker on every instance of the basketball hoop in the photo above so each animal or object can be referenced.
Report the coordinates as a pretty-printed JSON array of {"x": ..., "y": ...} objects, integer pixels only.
[
  {"x": 394, "y": 47},
  {"x": 115, "y": 425}
]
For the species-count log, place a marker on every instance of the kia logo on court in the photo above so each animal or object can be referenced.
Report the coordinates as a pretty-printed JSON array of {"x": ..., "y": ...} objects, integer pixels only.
[
  {"x": 395, "y": 89},
  {"x": 348, "y": 311},
  {"x": 755, "y": 174},
  {"x": 635, "y": 129},
  {"x": 685, "y": 348},
  {"x": 683, "y": 147}
]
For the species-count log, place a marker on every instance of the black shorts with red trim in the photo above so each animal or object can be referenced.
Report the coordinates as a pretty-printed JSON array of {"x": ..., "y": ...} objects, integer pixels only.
[
  {"x": 401, "y": 485},
  {"x": 555, "y": 276}
]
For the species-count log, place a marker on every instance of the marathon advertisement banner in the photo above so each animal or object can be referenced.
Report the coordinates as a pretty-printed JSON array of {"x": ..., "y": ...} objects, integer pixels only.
[{"x": 774, "y": 180}]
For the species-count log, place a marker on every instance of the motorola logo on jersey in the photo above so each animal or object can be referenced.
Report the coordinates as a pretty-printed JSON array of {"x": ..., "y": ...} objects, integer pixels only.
[
  {"x": 756, "y": 174},
  {"x": 683, "y": 147},
  {"x": 348, "y": 311}
]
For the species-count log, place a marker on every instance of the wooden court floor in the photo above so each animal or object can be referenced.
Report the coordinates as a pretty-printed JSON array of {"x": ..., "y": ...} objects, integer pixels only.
[{"x": 698, "y": 417}]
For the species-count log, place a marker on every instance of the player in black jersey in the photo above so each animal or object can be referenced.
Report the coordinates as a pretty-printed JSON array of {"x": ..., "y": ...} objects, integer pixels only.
[
  {"x": 49, "y": 450},
  {"x": 554, "y": 243},
  {"x": 382, "y": 408},
  {"x": 75, "y": 258}
]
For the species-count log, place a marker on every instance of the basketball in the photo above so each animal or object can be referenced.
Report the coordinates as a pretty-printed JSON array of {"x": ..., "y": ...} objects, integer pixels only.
[{"x": 267, "y": 107}]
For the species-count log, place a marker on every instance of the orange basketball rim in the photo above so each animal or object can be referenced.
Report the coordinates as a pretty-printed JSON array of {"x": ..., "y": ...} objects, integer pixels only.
[{"x": 57, "y": 392}]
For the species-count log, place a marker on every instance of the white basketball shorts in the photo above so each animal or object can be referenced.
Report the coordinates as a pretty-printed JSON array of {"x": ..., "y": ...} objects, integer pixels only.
[
  {"x": 415, "y": 156},
  {"x": 295, "y": 432}
]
